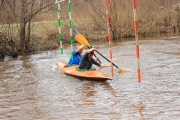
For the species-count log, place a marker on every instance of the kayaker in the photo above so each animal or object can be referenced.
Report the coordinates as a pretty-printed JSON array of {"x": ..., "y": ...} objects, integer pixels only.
[
  {"x": 76, "y": 56},
  {"x": 87, "y": 61}
]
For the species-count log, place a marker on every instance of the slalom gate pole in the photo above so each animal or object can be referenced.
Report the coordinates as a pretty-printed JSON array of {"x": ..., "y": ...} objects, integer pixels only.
[
  {"x": 59, "y": 23},
  {"x": 109, "y": 35},
  {"x": 136, "y": 38},
  {"x": 70, "y": 25}
]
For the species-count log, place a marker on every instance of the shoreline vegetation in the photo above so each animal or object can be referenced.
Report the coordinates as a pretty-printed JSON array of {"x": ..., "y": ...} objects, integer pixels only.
[{"x": 25, "y": 28}]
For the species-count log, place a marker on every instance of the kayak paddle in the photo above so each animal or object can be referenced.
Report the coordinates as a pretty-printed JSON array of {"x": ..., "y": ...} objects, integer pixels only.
[{"x": 81, "y": 39}]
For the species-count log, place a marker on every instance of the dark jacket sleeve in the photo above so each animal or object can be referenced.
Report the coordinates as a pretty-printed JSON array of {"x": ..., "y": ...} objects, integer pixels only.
[{"x": 94, "y": 62}]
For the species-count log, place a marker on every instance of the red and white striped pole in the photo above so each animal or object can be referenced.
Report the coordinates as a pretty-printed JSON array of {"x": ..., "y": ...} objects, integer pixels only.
[
  {"x": 136, "y": 38},
  {"x": 109, "y": 35}
]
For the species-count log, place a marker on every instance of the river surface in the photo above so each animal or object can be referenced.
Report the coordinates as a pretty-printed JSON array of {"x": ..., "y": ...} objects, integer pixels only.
[{"x": 33, "y": 88}]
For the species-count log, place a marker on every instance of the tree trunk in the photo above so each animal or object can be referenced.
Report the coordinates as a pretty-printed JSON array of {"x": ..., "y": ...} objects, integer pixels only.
[
  {"x": 27, "y": 39},
  {"x": 22, "y": 35}
]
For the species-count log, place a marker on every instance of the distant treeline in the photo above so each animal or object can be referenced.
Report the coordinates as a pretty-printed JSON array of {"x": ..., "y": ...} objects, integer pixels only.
[{"x": 22, "y": 33}]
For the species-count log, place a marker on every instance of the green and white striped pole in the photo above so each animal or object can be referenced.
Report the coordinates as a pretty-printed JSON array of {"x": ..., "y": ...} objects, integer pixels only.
[
  {"x": 70, "y": 25},
  {"x": 59, "y": 23}
]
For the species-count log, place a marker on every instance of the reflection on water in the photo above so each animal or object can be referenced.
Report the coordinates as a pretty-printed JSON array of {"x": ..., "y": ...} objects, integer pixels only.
[
  {"x": 88, "y": 93},
  {"x": 32, "y": 87}
]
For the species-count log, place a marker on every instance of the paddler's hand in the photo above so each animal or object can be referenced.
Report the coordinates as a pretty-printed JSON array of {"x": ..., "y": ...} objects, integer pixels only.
[
  {"x": 90, "y": 50},
  {"x": 105, "y": 65}
]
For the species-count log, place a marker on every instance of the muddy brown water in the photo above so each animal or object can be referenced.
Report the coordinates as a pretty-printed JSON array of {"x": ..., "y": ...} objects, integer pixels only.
[{"x": 32, "y": 87}]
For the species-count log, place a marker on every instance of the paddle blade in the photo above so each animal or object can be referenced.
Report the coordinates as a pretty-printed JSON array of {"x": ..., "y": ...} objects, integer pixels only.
[{"x": 81, "y": 39}]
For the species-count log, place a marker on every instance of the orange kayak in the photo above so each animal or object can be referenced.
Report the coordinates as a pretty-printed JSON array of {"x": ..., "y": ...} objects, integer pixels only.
[{"x": 88, "y": 75}]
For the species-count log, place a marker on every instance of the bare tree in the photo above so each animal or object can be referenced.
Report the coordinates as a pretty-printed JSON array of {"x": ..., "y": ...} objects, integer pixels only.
[{"x": 23, "y": 11}]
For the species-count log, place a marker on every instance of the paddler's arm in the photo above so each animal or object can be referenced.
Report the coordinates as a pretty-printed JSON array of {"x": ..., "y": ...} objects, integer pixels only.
[
  {"x": 100, "y": 65},
  {"x": 95, "y": 62},
  {"x": 79, "y": 48},
  {"x": 105, "y": 65},
  {"x": 90, "y": 50}
]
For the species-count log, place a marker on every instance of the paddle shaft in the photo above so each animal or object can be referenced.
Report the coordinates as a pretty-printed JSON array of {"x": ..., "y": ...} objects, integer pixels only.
[{"x": 105, "y": 57}]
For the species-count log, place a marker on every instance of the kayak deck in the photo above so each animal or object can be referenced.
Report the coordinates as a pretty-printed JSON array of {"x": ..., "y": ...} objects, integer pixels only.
[{"x": 89, "y": 75}]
